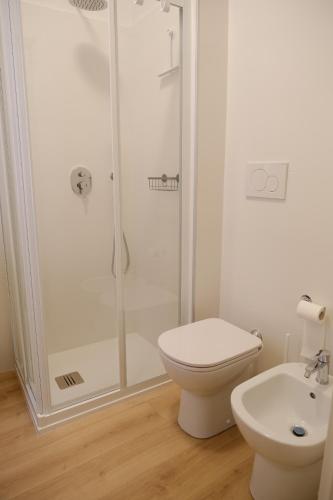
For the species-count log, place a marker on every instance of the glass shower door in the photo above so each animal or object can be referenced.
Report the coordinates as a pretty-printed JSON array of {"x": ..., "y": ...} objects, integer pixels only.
[
  {"x": 96, "y": 98},
  {"x": 67, "y": 68},
  {"x": 149, "y": 86}
]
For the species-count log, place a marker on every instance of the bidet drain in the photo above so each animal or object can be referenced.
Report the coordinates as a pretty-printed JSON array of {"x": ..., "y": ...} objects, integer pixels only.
[{"x": 298, "y": 430}]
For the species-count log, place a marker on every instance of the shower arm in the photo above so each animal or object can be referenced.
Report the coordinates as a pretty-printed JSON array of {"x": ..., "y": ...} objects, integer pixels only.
[{"x": 128, "y": 256}]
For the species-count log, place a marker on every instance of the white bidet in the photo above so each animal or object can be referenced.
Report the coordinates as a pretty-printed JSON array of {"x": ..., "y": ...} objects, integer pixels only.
[{"x": 284, "y": 417}]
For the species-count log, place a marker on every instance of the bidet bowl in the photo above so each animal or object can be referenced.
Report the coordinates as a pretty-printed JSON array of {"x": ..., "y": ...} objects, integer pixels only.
[{"x": 267, "y": 407}]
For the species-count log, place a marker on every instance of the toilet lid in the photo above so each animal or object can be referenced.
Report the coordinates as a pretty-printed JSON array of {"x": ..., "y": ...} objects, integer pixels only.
[{"x": 207, "y": 343}]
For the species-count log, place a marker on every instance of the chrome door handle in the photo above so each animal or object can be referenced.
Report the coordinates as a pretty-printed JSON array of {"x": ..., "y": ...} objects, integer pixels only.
[{"x": 128, "y": 256}]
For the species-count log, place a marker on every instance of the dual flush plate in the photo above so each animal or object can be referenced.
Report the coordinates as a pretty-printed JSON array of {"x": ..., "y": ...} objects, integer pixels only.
[{"x": 267, "y": 180}]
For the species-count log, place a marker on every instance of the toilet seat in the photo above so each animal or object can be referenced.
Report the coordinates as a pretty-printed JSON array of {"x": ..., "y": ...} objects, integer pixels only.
[
  {"x": 209, "y": 369},
  {"x": 208, "y": 344}
]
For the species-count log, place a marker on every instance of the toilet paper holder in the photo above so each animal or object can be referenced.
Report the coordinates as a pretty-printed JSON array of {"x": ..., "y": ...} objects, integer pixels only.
[
  {"x": 306, "y": 297},
  {"x": 310, "y": 311}
]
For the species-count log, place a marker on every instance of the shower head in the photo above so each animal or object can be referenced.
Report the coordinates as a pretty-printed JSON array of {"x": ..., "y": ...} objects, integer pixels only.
[{"x": 89, "y": 4}]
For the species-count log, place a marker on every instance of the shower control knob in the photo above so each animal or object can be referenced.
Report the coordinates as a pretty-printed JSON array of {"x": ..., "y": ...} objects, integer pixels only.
[
  {"x": 82, "y": 186},
  {"x": 81, "y": 181}
]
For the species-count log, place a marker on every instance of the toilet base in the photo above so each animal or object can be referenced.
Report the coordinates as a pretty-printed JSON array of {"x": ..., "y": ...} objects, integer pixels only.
[
  {"x": 273, "y": 481},
  {"x": 205, "y": 416}
]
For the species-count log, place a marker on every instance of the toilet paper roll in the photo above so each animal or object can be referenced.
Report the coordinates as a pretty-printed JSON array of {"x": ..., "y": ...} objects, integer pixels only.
[{"x": 311, "y": 311}]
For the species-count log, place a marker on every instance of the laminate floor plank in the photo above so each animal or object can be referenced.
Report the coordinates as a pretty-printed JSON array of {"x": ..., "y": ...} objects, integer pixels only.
[{"x": 131, "y": 450}]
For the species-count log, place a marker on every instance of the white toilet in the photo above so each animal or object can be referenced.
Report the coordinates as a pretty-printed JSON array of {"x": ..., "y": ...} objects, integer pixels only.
[{"x": 207, "y": 359}]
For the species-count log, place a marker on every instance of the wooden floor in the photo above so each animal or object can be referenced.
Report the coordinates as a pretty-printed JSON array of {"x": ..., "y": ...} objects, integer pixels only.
[{"x": 133, "y": 450}]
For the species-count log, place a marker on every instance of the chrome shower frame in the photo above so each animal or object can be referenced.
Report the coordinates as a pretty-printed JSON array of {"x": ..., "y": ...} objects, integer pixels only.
[{"x": 16, "y": 192}]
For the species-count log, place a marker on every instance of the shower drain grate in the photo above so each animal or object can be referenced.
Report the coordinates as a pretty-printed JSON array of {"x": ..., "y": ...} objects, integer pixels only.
[{"x": 68, "y": 380}]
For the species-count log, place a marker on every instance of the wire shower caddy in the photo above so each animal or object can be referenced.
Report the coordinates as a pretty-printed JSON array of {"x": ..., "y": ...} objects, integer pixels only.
[{"x": 164, "y": 183}]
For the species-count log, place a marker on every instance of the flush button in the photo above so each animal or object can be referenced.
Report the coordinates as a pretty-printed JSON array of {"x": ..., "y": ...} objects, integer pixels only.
[
  {"x": 259, "y": 179},
  {"x": 272, "y": 183}
]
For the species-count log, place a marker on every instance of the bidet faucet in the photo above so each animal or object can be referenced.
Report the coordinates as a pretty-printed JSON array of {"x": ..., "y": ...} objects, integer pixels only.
[{"x": 320, "y": 364}]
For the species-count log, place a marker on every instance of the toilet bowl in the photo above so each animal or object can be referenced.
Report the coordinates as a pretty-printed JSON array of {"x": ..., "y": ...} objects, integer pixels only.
[{"x": 207, "y": 359}]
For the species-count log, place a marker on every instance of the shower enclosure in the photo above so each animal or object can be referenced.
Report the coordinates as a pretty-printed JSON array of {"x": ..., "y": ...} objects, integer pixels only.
[{"x": 97, "y": 188}]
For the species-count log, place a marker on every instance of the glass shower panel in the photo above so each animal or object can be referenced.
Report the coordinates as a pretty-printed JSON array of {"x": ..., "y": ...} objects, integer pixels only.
[
  {"x": 66, "y": 54},
  {"x": 149, "y": 45}
]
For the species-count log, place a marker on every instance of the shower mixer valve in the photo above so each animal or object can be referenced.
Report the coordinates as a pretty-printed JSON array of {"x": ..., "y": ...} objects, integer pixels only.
[{"x": 81, "y": 181}]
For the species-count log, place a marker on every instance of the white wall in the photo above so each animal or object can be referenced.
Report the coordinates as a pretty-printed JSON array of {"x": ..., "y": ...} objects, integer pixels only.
[
  {"x": 212, "y": 79},
  {"x": 280, "y": 107}
]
